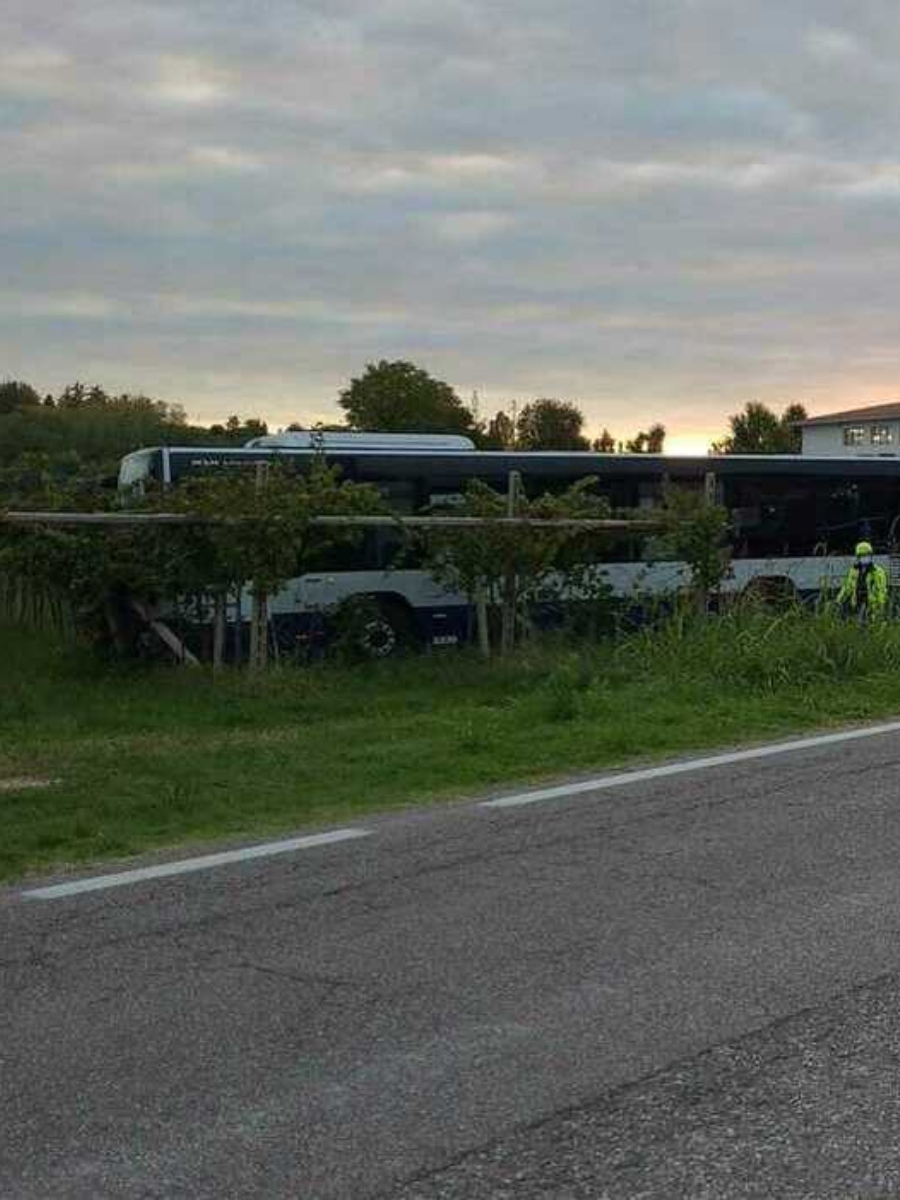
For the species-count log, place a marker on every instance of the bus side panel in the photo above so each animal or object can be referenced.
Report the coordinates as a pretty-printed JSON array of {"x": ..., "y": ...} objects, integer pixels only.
[{"x": 441, "y": 616}]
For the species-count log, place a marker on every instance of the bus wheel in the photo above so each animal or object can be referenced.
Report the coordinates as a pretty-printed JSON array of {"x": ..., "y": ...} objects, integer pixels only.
[
  {"x": 771, "y": 591},
  {"x": 375, "y": 628},
  {"x": 388, "y": 632}
]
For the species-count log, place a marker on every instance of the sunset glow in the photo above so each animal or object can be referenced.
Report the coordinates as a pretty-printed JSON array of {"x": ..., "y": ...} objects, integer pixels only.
[{"x": 690, "y": 443}]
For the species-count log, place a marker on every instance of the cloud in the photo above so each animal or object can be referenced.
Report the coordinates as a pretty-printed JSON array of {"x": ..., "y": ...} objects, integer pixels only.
[
  {"x": 225, "y": 158},
  {"x": 184, "y": 80},
  {"x": 469, "y": 227},
  {"x": 33, "y": 69},
  {"x": 78, "y": 306},
  {"x": 833, "y": 46},
  {"x": 656, "y": 209},
  {"x": 877, "y": 183}
]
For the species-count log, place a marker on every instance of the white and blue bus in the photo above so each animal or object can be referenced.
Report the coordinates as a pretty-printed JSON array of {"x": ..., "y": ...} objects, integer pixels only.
[{"x": 795, "y": 519}]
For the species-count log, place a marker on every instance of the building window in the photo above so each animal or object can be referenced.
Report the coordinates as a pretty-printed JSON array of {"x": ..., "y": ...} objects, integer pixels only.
[
  {"x": 882, "y": 435},
  {"x": 854, "y": 435}
]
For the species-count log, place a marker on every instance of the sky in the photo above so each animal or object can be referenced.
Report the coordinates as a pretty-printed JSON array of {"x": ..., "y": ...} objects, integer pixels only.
[{"x": 658, "y": 209}]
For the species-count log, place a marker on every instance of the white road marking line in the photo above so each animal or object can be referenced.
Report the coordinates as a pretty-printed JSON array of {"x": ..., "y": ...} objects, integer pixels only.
[
  {"x": 604, "y": 782},
  {"x": 186, "y": 865}
]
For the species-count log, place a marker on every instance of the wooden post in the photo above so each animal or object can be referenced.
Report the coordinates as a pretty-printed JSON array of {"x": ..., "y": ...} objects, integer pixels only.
[
  {"x": 253, "y": 655},
  {"x": 219, "y": 626},
  {"x": 481, "y": 622},
  {"x": 114, "y": 628},
  {"x": 168, "y": 638},
  {"x": 262, "y": 641},
  {"x": 238, "y": 626},
  {"x": 710, "y": 491},
  {"x": 259, "y": 630},
  {"x": 259, "y": 622},
  {"x": 509, "y": 590}
]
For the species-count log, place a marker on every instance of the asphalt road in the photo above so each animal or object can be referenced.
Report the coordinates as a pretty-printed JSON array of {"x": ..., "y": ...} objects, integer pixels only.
[{"x": 689, "y": 986}]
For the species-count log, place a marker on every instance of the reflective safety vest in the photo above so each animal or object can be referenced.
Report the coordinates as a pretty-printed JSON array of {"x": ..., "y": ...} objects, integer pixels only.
[{"x": 870, "y": 591}]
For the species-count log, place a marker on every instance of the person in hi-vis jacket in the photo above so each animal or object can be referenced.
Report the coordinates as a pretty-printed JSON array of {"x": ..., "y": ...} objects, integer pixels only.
[{"x": 864, "y": 592}]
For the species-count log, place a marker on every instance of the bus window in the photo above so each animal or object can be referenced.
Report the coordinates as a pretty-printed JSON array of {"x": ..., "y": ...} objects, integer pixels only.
[
  {"x": 839, "y": 517},
  {"x": 402, "y": 495},
  {"x": 360, "y": 553},
  {"x": 650, "y": 493},
  {"x": 395, "y": 552},
  {"x": 877, "y": 509},
  {"x": 769, "y": 517}
]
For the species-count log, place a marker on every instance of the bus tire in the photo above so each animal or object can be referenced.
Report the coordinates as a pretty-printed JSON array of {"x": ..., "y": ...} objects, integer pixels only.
[
  {"x": 771, "y": 591},
  {"x": 378, "y": 627}
]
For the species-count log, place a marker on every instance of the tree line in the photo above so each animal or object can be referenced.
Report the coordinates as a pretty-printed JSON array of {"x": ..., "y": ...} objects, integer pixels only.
[
  {"x": 399, "y": 397},
  {"x": 76, "y": 437}
]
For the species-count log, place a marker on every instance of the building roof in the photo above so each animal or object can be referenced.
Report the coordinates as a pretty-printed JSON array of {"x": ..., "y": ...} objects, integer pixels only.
[{"x": 874, "y": 412}]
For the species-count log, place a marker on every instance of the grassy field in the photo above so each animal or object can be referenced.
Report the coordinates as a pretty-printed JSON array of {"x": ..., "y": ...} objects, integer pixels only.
[{"x": 153, "y": 758}]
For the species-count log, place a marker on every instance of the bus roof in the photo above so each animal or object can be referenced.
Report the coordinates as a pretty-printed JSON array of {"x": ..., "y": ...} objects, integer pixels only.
[{"x": 311, "y": 439}]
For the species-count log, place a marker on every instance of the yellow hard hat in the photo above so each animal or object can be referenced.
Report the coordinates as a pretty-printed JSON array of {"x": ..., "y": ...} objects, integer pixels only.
[{"x": 864, "y": 548}]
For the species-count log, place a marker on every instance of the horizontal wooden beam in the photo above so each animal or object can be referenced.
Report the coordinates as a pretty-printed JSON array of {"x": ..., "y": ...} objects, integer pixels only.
[
  {"x": 95, "y": 518},
  {"x": 135, "y": 519}
]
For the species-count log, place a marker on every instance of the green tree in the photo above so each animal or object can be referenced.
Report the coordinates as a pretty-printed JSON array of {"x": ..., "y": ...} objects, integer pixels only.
[
  {"x": 791, "y": 420},
  {"x": 15, "y": 394},
  {"x": 250, "y": 529},
  {"x": 540, "y": 563},
  {"x": 254, "y": 427},
  {"x": 548, "y": 424},
  {"x": 72, "y": 396},
  {"x": 650, "y": 442},
  {"x": 758, "y": 430},
  {"x": 656, "y": 438},
  {"x": 273, "y": 539},
  {"x": 318, "y": 427},
  {"x": 605, "y": 443},
  {"x": 399, "y": 397},
  {"x": 695, "y": 533},
  {"x": 238, "y": 430},
  {"x": 501, "y": 433}
]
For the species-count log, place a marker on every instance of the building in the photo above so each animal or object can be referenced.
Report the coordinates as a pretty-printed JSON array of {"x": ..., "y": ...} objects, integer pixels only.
[{"x": 862, "y": 432}]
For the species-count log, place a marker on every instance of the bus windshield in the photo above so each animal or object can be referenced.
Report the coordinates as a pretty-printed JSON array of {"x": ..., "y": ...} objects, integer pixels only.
[{"x": 135, "y": 469}]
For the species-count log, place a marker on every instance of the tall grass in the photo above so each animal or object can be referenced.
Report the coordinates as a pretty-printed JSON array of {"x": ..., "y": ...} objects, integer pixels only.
[
  {"x": 25, "y": 605},
  {"x": 762, "y": 650}
]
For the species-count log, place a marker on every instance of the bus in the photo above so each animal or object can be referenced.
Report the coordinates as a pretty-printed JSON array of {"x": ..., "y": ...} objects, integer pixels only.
[{"x": 795, "y": 519}]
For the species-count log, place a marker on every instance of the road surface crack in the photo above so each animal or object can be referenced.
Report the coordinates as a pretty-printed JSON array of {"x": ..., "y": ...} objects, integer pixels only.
[{"x": 720, "y": 1056}]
